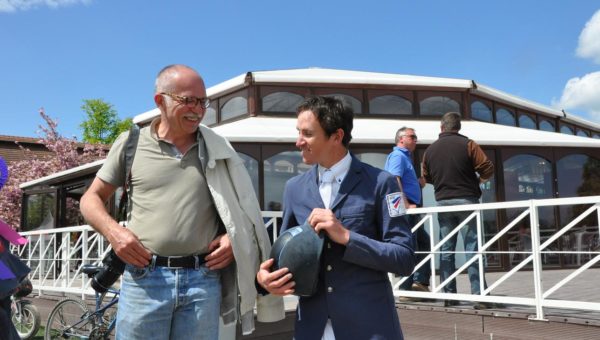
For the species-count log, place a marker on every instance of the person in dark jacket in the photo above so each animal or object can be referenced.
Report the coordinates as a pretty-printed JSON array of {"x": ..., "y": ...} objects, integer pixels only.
[
  {"x": 358, "y": 210},
  {"x": 456, "y": 166}
]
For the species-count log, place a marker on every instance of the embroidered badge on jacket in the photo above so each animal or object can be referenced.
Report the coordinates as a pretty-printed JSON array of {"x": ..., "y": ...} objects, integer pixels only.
[{"x": 395, "y": 204}]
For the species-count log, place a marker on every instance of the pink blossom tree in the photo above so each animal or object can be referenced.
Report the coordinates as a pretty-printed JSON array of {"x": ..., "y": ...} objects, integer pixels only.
[{"x": 65, "y": 156}]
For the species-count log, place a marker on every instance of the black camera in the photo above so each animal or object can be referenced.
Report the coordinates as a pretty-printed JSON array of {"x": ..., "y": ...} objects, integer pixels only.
[
  {"x": 23, "y": 289},
  {"x": 110, "y": 272}
]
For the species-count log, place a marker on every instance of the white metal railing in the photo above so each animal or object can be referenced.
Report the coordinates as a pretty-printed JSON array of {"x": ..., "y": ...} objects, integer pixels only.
[
  {"x": 56, "y": 255},
  {"x": 539, "y": 248}
]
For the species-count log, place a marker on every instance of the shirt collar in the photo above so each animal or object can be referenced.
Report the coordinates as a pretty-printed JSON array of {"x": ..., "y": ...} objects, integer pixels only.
[
  {"x": 405, "y": 150},
  {"x": 153, "y": 127},
  {"x": 339, "y": 169}
]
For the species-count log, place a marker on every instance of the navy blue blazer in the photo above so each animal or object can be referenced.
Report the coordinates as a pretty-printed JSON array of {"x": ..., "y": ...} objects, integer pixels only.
[{"x": 353, "y": 289}]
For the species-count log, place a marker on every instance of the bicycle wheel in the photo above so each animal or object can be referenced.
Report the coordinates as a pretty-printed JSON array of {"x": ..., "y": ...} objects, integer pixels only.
[
  {"x": 69, "y": 319},
  {"x": 28, "y": 322}
]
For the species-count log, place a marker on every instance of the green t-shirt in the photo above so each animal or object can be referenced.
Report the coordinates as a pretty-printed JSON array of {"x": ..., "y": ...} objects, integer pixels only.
[{"x": 172, "y": 211}]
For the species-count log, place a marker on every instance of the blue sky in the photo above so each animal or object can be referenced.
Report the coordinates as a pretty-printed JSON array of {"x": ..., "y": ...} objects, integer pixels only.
[{"x": 56, "y": 53}]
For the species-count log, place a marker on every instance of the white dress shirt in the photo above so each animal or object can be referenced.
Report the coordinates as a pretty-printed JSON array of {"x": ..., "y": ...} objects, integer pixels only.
[{"x": 330, "y": 181}]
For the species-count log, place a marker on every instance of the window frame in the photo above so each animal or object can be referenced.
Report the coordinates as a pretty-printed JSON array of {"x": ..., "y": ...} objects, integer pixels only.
[
  {"x": 423, "y": 95},
  {"x": 354, "y": 93},
  {"x": 225, "y": 99},
  {"x": 528, "y": 115},
  {"x": 486, "y": 102},
  {"x": 372, "y": 94},
  {"x": 566, "y": 125},
  {"x": 265, "y": 90},
  {"x": 542, "y": 119},
  {"x": 508, "y": 109}
]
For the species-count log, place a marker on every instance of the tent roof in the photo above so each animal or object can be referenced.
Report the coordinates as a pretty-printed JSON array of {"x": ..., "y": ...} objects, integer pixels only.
[
  {"x": 382, "y": 131},
  {"x": 370, "y": 131},
  {"x": 314, "y": 75}
]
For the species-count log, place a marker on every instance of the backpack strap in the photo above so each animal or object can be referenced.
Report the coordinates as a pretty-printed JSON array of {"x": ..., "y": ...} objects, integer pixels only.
[{"x": 128, "y": 156}]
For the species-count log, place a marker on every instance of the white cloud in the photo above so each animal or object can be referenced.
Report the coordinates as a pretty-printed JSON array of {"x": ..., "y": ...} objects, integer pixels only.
[
  {"x": 582, "y": 94},
  {"x": 589, "y": 39},
  {"x": 10, "y": 6}
]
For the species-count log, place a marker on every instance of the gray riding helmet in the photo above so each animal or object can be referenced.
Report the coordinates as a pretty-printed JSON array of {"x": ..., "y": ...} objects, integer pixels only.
[{"x": 299, "y": 249}]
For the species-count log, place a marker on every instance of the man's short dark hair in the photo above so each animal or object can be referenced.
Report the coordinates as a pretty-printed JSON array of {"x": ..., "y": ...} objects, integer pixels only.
[
  {"x": 332, "y": 115},
  {"x": 451, "y": 121}
]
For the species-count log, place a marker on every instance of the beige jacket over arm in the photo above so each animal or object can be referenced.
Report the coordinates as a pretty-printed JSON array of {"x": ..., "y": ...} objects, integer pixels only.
[{"x": 236, "y": 203}]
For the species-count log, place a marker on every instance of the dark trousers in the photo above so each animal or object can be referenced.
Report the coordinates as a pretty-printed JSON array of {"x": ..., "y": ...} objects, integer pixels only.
[
  {"x": 421, "y": 242},
  {"x": 7, "y": 329}
]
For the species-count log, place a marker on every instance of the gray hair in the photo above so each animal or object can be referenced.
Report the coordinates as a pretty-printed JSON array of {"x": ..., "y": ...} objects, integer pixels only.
[
  {"x": 451, "y": 122},
  {"x": 164, "y": 79},
  {"x": 400, "y": 133}
]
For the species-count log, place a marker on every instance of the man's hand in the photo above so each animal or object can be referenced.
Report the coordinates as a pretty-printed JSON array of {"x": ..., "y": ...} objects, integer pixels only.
[
  {"x": 324, "y": 219},
  {"x": 124, "y": 242},
  {"x": 278, "y": 282},
  {"x": 220, "y": 253},
  {"x": 128, "y": 247}
]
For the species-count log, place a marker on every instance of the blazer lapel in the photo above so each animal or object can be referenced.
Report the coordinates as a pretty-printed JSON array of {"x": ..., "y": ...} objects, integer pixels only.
[{"x": 350, "y": 181}]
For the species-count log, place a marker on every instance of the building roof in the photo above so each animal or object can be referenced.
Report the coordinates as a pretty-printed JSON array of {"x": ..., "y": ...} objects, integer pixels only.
[
  {"x": 11, "y": 151},
  {"x": 382, "y": 131},
  {"x": 28, "y": 140},
  {"x": 373, "y": 130},
  {"x": 370, "y": 131},
  {"x": 315, "y": 75},
  {"x": 89, "y": 168}
]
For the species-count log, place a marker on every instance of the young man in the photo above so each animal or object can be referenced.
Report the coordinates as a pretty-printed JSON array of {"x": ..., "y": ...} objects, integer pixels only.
[
  {"x": 354, "y": 206},
  {"x": 187, "y": 248}
]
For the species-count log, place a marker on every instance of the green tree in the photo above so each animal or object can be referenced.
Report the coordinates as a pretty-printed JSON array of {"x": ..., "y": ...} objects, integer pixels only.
[{"x": 102, "y": 124}]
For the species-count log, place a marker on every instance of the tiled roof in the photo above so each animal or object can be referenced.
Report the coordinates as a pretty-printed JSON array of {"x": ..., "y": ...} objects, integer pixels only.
[
  {"x": 7, "y": 138},
  {"x": 10, "y": 150}
]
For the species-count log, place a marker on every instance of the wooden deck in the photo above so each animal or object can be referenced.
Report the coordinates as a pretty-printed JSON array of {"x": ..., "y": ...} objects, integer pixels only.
[{"x": 430, "y": 320}]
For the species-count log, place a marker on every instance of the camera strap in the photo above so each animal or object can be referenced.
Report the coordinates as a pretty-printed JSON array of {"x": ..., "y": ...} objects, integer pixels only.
[{"x": 128, "y": 155}]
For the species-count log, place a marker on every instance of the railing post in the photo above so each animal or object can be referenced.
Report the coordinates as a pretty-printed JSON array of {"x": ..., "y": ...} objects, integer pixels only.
[
  {"x": 432, "y": 280},
  {"x": 598, "y": 216},
  {"x": 101, "y": 247},
  {"x": 66, "y": 263},
  {"x": 41, "y": 261},
  {"x": 84, "y": 252},
  {"x": 480, "y": 235},
  {"x": 537, "y": 260}
]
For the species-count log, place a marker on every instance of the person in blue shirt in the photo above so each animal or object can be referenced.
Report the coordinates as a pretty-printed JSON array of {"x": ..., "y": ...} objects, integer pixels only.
[{"x": 399, "y": 163}]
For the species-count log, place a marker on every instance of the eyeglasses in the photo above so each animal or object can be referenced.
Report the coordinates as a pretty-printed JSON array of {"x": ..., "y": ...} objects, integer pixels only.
[
  {"x": 189, "y": 101},
  {"x": 413, "y": 137}
]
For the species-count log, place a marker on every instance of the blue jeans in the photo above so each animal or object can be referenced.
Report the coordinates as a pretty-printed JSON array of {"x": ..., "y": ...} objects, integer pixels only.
[
  {"x": 449, "y": 221},
  {"x": 164, "y": 303},
  {"x": 421, "y": 242}
]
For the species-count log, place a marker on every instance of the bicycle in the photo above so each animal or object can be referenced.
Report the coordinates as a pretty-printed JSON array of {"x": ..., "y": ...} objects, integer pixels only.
[
  {"x": 71, "y": 318},
  {"x": 24, "y": 314}
]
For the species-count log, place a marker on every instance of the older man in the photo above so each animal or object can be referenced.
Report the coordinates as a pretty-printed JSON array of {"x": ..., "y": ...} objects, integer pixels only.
[
  {"x": 399, "y": 163},
  {"x": 187, "y": 247}
]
